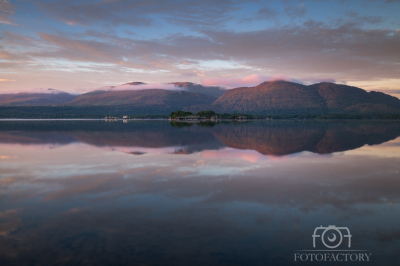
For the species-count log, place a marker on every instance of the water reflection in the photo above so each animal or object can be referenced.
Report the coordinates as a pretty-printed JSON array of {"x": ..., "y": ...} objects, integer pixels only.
[
  {"x": 230, "y": 194},
  {"x": 276, "y": 139}
]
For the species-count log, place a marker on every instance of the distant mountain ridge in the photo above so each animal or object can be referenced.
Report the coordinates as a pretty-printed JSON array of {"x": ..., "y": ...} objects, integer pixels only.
[
  {"x": 190, "y": 94},
  {"x": 268, "y": 98},
  {"x": 38, "y": 98},
  {"x": 152, "y": 101}
]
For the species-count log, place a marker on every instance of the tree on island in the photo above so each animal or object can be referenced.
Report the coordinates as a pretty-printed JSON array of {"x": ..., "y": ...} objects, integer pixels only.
[
  {"x": 204, "y": 114},
  {"x": 176, "y": 114},
  {"x": 207, "y": 114}
]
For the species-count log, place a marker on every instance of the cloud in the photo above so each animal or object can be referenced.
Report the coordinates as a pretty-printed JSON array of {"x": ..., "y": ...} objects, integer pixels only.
[
  {"x": 350, "y": 49},
  {"x": 41, "y": 90},
  {"x": 11, "y": 56},
  {"x": 4, "y": 19},
  {"x": 6, "y": 9},
  {"x": 6, "y": 6},
  {"x": 188, "y": 74},
  {"x": 15, "y": 39},
  {"x": 85, "y": 14},
  {"x": 80, "y": 50},
  {"x": 364, "y": 19},
  {"x": 127, "y": 87},
  {"x": 7, "y": 79},
  {"x": 32, "y": 90},
  {"x": 267, "y": 13},
  {"x": 295, "y": 11},
  {"x": 255, "y": 79},
  {"x": 229, "y": 82},
  {"x": 140, "y": 13},
  {"x": 313, "y": 47}
]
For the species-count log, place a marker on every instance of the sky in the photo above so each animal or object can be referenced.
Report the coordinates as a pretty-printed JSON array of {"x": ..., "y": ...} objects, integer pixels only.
[{"x": 78, "y": 46}]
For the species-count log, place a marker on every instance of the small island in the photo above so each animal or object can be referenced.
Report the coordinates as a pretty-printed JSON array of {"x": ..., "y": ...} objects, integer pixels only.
[
  {"x": 206, "y": 115},
  {"x": 189, "y": 116}
]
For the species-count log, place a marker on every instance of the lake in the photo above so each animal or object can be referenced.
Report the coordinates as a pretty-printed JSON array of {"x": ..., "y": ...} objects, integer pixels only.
[{"x": 228, "y": 193}]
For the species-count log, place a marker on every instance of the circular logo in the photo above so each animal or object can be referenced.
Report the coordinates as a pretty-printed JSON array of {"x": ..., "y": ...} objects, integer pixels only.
[{"x": 331, "y": 238}]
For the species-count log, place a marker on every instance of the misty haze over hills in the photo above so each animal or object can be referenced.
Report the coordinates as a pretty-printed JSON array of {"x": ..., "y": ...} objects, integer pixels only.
[
  {"x": 38, "y": 97},
  {"x": 272, "y": 97}
]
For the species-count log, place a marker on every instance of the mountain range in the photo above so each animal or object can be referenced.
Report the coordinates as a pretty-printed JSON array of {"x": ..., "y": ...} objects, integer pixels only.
[
  {"x": 274, "y": 97},
  {"x": 283, "y": 97}
]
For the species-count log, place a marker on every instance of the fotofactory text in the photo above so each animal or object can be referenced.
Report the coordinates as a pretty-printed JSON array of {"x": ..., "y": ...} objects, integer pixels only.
[{"x": 336, "y": 243}]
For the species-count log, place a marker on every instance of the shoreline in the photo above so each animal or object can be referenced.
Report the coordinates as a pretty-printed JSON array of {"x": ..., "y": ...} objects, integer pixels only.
[{"x": 207, "y": 121}]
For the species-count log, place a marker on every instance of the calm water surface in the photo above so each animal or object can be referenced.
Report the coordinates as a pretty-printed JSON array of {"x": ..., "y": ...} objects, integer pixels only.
[{"x": 155, "y": 193}]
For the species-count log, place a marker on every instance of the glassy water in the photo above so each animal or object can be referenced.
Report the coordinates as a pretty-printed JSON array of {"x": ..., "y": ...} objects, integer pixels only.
[{"x": 156, "y": 193}]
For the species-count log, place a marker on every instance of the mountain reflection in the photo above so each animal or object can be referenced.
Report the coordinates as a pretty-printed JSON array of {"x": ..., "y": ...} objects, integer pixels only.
[
  {"x": 268, "y": 138},
  {"x": 286, "y": 138}
]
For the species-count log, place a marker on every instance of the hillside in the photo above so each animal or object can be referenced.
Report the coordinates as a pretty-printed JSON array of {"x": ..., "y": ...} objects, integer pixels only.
[
  {"x": 347, "y": 99},
  {"x": 23, "y": 98},
  {"x": 150, "y": 101},
  {"x": 282, "y": 97}
]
